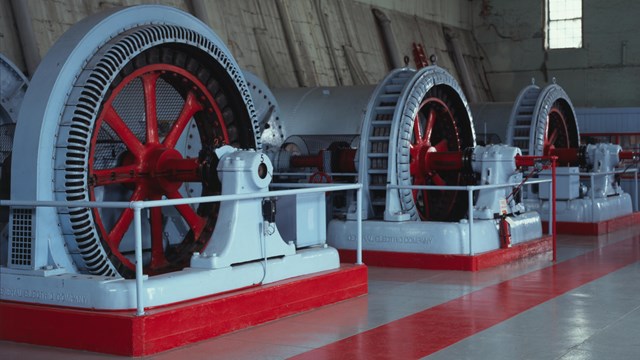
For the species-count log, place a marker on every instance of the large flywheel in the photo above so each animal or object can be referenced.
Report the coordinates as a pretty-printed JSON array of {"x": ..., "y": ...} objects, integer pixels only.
[
  {"x": 436, "y": 130},
  {"x": 542, "y": 120},
  {"x": 153, "y": 117},
  {"x": 148, "y": 108},
  {"x": 412, "y": 115}
]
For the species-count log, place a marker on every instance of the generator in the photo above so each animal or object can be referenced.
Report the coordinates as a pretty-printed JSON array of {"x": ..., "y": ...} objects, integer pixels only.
[
  {"x": 542, "y": 121},
  {"x": 413, "y": 129},
  {"x": 141, "y": 116}
]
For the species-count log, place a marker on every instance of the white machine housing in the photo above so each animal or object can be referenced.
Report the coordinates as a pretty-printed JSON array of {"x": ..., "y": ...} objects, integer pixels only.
[
  {"x": 496, "y": 165},
  {"x": 244, "y": 251},
  {"x": 42, "y": 266},
  {"x": 580, "y": 201}
]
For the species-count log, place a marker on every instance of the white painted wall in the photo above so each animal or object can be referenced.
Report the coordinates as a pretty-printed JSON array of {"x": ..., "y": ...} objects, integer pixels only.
[{"x": 600, "y": 74}]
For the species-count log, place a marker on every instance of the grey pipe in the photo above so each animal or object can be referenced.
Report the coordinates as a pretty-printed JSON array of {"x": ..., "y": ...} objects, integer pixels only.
[
  {"x": 27, "y": 37},
  {"x": 389, "y": 40},
  {"x": 326, "y": 32},
  {"x": 463, "y": 69},
  {"x": 289, "y": 37},
  {"x": 323, "y": 110},
  {"x": 491, "y": 118},
  {"x": 200, "y": 11}
]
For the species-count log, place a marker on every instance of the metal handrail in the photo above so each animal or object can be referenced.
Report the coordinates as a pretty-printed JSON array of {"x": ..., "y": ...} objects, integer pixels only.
[
  {"x": 593, "y": 175},
  {"x": 137, "y": 207},
  {"x": 470, "y": 189}
]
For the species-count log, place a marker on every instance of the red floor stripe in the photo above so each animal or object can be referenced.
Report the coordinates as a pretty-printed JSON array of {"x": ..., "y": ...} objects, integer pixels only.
[{"x": 428, "y": 331}]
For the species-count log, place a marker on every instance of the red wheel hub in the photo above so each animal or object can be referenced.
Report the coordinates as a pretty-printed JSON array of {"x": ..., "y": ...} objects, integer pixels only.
[
  {"x": 151, "y": 167},
  {"x": 435, "y": 135},
  {"x": 557, "y": 131}
]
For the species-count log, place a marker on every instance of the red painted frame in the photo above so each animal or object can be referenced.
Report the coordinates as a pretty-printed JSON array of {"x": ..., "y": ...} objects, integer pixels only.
[
  {"x": 168, "y": 327},
  {"x": 452, "y": 262}
]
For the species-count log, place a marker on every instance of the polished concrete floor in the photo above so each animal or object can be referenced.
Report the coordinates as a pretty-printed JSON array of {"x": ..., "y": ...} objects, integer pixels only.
[{"x": 586, "y": 306}]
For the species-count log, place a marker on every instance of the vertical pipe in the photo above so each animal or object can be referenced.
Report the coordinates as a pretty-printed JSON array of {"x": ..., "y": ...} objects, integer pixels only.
[
  {"x": 553, "y": 202},
  {"x": 289, "y": 36},
  {"x": 200, "y": 11},
  {"x": 326, "y": 32},
  {"x": 26, "y": 35},
  {"x": 389, "y": 40},
  {"x": 470, "y": 199},
  {"x": 635, "y": 190},
  {"x": 550, "y": 229},
  {"x": 137, "y": 225},
  {"x": 463, "y": 69},
  {"x": 359, "y": 222},
  {"x": 593, "y": 196}
]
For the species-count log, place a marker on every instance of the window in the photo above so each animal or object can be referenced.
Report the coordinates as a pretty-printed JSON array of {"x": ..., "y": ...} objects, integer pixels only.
[{"x": 563, "y": 24}]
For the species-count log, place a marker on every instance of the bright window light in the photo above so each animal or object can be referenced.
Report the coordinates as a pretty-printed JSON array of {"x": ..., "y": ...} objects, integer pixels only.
[{"x": 564, "y": 24}]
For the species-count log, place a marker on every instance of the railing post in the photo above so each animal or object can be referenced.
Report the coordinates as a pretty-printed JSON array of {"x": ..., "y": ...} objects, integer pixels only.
[
  {"x": 470, "y": 198},
  {"x": 137, "y": 226},
  {"x": 359, "y": 222},
  {"x": 551, "y": 185},
  {"x": 635, "y": 190},
  {"x": 593, "y": 195},
  {"x": 552, "y": 223}
]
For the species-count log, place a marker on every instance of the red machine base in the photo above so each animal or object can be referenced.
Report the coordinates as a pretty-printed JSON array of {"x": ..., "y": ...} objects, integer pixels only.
[
  {"x": 599, "y": 228},
  {"x": 451, "y": 262},
  {"x": 168, "y": 327}
]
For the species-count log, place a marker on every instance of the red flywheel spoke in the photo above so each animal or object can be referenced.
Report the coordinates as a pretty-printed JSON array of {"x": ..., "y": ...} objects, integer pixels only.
[
  {"x": 435, "y": 133},
  {"x": 124, "y": 221},
  {"x": 149, "y": 82},
  {"x": 425, "y": 202},
  {"x": 122, "y": 130},
  {"x": 553, "y": 137},
  {"x": 150, "y": 168},
  {"x": 438, "y": 180},
  {"x": 431, "y": 121},
  {"x": 417, "y": 132},
  {"x": 158, "y": 259},
  {"x": 195, "y": 222},
  {"x": 120, "y": 228},
  {"x": 442, "y": 145},
  {"x": 190, "y": 108},
  {"x": 118, "y": 175}
]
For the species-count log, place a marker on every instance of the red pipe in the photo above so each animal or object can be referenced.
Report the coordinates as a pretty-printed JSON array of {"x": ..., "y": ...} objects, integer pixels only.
[
  {"x": 628, "y": 155},
  {"x": 308, "y": 161},
  {"x": 567, "y": 156},
  {"x": 180, "y": 170},
  {"x": 553, "y": 205},
  {"x": 571, "y": 155},
  {"x": 342, "y": 161},
  {"x": 445, "y": 160},
  {"x": 523, "y": 160}
]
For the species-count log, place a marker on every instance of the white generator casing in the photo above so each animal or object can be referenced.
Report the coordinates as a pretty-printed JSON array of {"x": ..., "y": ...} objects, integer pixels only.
[{"x": 567, "y": 183}]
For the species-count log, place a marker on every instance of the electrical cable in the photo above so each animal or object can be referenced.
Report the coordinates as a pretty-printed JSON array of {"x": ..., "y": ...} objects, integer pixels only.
[
  {"x": 517, "y": 188},
  {"x": 263, "y": 232}
]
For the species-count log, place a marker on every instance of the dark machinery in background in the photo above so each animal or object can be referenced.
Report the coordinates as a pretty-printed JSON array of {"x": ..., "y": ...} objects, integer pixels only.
[{"x": 13, "y": 85}]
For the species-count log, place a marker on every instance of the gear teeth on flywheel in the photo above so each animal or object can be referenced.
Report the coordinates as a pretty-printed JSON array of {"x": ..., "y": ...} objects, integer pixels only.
[
  {"x": 379, "y": 133},
  {"x": 530, "y": 124},
  {"x": 119, "y": 57},
  {"x": 521, "y": 129},
  {"x": 437, "y": 83}
]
